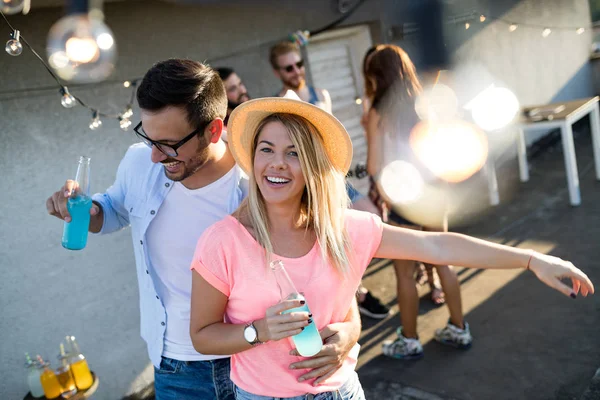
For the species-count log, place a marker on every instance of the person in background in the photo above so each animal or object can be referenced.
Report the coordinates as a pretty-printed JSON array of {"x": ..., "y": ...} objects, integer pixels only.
[
  {"x": 424, "y": 273},
  {"x": 234, "y": 88},
  {"x": 288, "y": 66},
  {"x": 391, "y": 84}
]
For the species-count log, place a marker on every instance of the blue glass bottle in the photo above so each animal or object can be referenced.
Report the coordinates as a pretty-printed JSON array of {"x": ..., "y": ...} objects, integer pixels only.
[
  {"x": 75, "y": 233},
  {"x": 308, "y": 342}
]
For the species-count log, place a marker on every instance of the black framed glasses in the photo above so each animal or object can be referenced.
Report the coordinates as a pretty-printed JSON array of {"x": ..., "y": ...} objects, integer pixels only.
[
  {"x": 168, "y": 149},
  {"x": 290, "y": 68}
]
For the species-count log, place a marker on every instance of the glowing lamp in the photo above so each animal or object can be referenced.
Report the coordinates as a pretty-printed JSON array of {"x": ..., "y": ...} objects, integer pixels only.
[{"x": 81, "y": 48}]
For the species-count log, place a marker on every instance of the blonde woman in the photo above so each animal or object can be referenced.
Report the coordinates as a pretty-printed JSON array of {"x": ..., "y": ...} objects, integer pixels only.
[{"x": 296, "y": 156}]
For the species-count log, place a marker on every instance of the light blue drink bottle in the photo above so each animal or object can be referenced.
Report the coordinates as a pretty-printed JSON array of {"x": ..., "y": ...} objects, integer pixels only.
[
  {"x": 75, "y": 233},
  {"x": 308, "y": 342},
  {"x": 33, "y": 377}
]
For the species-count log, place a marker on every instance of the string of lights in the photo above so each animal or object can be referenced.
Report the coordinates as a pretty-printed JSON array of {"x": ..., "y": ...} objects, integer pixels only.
[
  {"x": 468, "y": 19},
  {"x": 14, "y": 47},
  {"x": 513, "y": 25}
]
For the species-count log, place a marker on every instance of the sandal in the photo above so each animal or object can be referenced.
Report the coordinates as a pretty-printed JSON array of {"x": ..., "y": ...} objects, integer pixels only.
[
  {"x": 421, "y": 274},
  {"x": 437, "y": 296}
]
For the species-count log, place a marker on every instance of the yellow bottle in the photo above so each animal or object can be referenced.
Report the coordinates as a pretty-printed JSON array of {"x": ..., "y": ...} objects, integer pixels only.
[
  {"x": 49, "y": 381},
  {"x": 79, "y": 365},
  {"x": 64, "y": 375},
  {"x": 82, "y": 374}
]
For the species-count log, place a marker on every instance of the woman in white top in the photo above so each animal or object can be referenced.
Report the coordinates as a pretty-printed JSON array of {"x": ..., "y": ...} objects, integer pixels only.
[{"x": 391, "y": 85}]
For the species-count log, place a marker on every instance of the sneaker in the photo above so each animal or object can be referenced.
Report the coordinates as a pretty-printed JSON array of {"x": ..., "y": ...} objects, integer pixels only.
[
  {"x": 402, "y": 348},
  {"x": 372, "y": 307},
  {"x": 452, "y": 335}
]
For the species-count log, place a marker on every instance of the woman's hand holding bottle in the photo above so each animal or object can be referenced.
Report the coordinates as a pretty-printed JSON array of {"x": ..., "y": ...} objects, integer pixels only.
[{"x": 278, "y": 325}]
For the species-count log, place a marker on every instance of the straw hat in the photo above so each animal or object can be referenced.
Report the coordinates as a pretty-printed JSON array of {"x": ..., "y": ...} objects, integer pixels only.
[{"x": 247, "y": 116}]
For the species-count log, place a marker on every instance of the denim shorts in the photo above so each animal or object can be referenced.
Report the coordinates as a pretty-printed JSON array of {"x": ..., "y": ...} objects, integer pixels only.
[
  {"x": 187, "y": 380},
  {"x": 350, "y": 390}
]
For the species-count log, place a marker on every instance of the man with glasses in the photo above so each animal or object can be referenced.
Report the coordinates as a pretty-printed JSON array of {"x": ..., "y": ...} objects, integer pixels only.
[
  {"x": 170, "y": 188},
  {"x": 288, "y": 66}
]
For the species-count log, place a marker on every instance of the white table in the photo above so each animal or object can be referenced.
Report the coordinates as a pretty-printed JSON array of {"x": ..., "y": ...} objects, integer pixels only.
[{"x": 568, "y": 113}]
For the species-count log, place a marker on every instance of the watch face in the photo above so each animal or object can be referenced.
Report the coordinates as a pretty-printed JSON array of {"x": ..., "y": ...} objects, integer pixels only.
[{"x": 250, "y": 334}]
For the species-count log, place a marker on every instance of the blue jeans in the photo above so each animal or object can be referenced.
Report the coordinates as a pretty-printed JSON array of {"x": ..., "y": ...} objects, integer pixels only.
[
  {"x": 183, "y": 380},
  {"x": 350, "y": 390},
  {"x": 353, "y": 194}
]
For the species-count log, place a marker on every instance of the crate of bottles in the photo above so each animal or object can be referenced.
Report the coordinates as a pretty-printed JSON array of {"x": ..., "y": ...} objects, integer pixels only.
[{"x": 71, "y": 379}]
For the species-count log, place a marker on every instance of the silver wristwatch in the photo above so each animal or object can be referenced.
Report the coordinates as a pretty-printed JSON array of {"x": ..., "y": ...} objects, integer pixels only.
[{"x": 251, "y": 334}]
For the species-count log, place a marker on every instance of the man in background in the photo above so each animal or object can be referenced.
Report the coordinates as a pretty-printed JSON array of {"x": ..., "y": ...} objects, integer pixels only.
[
  {"x": 288, "y": 65},
  {"x": 234, "y": 88}
]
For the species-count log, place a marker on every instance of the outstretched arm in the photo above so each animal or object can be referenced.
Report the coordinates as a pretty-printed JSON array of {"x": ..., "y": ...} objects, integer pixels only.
[{"x": 456, "y": 249}]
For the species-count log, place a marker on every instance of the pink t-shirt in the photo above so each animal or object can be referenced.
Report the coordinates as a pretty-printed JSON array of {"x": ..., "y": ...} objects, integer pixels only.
[{"x": 229, "y": 258}]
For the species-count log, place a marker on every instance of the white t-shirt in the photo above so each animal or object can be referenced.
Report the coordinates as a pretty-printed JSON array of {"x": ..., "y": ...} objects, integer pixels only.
[{"x": 172, "y": 237}]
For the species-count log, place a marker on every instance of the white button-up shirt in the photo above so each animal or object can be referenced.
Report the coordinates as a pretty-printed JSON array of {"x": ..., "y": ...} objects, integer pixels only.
[{"x": 134, "y": 199}]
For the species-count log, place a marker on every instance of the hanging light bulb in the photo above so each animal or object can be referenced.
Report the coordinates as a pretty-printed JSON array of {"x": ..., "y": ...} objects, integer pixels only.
[
  {"x": 80, "y": 46},
  {"x": 124, "y": 123},
  {"x": 580, "y": 31},
  {"x": 126, "y": 84},
  {"x": 546, "y": 32},
  {"x": 96, "y": 123},
  {"x": 14, "y": 46},
  {"x": 12, "y": 6},
  {"x": 467, "y": 25},
  {"x": 482, "y": 18},
  {"x": 67, "y": 100},
  {"x": 513, "y": 27},
  {"x": 128, "y": 112}
]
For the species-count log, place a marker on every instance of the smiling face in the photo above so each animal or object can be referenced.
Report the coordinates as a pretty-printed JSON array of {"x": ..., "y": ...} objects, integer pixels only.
[
  {"x": 277, "y": 167},
  {"x": 169, "y": 126}
]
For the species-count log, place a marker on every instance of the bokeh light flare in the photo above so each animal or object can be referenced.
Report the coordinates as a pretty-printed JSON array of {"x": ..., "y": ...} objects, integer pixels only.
[
  {"x": 401, "y": 182},
  {"x": 81, "y": 49},
  {"x": 494, "y": 108},
  {"x": 453, "y": 150},
  {"x": 12, "y": 6},
  {"x": 437, "y": 103}
]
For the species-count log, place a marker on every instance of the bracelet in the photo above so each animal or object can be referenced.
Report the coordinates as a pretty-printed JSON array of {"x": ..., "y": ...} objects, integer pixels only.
[{"x": 529, "y": 262}]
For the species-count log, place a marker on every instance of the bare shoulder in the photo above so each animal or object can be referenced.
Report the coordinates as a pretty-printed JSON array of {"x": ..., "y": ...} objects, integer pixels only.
[{"x": 373, "y": 114}]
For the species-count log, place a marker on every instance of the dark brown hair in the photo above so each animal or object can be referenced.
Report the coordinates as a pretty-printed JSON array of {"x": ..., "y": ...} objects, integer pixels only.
[
  {"x": 393, "y": 71},
  {"x": 184, "y": 83},
  {"x": 225, "y": 72},
  {"x": 368, "y": 85}
]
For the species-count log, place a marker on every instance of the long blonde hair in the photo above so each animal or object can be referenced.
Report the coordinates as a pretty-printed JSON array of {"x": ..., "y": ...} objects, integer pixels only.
[{"x": 324, "y": 200}]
